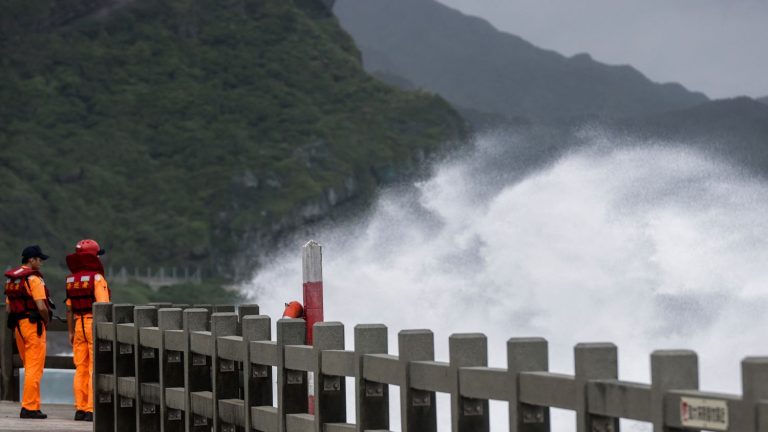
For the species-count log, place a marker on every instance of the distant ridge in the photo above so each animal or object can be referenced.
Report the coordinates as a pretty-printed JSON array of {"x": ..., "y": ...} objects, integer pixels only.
[
  {"x": 763, "y": 100},
  {"x": 476, "y": 67},
  {"x": 736, "y": 129}
]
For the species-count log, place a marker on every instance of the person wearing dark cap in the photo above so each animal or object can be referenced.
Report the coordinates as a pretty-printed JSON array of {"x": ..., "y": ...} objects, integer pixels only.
[
  {"x": 86, "y": 285},
  {"x": 29, "y": 307}
]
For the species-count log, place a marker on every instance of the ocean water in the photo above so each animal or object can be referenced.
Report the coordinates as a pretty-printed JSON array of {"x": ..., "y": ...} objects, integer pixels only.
[
  {"x": 649, "y": 245},
  {"x": 55, "y": 387}
]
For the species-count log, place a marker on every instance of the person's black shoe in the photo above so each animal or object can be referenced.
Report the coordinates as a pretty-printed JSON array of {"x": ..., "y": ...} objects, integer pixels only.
[
  {"x": 79, "y": 415},
  {"x": 88, "y": 417},
  {"x": 32, "y": 414}
]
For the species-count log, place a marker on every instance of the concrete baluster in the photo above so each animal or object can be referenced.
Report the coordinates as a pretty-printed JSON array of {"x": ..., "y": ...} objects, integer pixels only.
[
  {"x": 226, "y": 380},
  {"x": 243, "y": 311},
  {"x": 754, "y": 383},
  {"x": 10, "y": 389},
  {"x": 670, "y": 370},
  {"x": 103, "y": 369},
  {"x": 371, "y": 399},
  {"x": 594, "y": 361},
  {"x": 526, "y": 355},
  {"x": 291, "y": 384},
  {"x": 258, "y": 378},
  {"x": 417, "y": 407},
  {"x": 125, "y": 367},
  {"x": 197, "y": 373},
  {"x": 330, "y": 391},
  {"x": 467, "y": 415},
  {"x": 171, "y": 375},
  {"x": 147, "y": 369}
]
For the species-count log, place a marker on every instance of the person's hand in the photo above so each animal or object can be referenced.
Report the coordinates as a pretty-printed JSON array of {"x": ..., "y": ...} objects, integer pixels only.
[{"x": 71, "y": 338}]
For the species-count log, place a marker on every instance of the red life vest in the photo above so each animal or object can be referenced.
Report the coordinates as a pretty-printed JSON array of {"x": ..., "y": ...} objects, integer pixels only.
[
  {"x": 20, "y": 302},
  {"x": 81, "y": 284},
  {"x": 81, "y": 288}
]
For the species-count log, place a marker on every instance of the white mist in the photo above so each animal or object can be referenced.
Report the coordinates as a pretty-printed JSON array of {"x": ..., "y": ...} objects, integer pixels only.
[{"x": 647, "y": 245}]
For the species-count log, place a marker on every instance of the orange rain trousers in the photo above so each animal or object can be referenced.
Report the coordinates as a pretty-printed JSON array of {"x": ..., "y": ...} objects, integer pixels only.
[
  {"x": 32, "y": 352},
  {"x": 82, "y": 352}
]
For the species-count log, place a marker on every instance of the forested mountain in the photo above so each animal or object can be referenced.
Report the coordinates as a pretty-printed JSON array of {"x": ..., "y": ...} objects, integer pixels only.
[
  {"x": 478, "y": 68},
  {"x": 190, "y": 131},
  {"x": 763, "y": 100}
]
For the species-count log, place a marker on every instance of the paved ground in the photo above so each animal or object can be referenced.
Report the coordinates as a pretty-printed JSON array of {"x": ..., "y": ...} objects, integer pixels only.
[{"x": 59, "y": 419}]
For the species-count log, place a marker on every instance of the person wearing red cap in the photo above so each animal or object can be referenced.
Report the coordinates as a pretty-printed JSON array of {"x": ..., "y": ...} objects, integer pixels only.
[{"x": 86, "y": 285}]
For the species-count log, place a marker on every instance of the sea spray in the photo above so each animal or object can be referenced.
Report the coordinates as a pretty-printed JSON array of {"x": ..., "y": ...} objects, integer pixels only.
[{"x": 649, "y": 245}]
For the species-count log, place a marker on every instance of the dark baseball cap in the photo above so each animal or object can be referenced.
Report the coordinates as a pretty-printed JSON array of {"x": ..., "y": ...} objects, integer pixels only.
[{"x": 33, "y": 251}]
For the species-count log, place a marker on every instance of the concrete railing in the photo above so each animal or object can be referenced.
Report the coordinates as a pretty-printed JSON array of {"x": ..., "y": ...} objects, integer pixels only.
[{"x": 211, "y": 369}]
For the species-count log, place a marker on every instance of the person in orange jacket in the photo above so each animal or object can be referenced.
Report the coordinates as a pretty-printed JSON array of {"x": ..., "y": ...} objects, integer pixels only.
[
  {"x": 86, "y": 285},
  {"x": 29, "y": 307}
]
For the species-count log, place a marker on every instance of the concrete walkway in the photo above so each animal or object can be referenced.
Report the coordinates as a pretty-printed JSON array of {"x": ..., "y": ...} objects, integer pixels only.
[{"x": 59, "y": 419}]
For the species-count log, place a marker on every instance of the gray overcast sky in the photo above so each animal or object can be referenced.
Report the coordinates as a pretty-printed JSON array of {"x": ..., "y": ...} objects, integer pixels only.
[{"x": 719, "y": 47}]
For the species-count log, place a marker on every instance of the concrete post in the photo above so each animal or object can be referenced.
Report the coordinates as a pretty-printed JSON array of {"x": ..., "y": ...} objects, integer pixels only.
[
  {"x": 312, "y": 272},
  {"x": 754, "y": 384},
  {"x": 371, "y": 399},
  {"x": 465, "y": 350},
  {"x": 171, "y": 375},
  {"x": 247, "y": 310},
  {"x": 670, "y": 370},
  {"x": 330, "y": 391},
  {"x": 226, "y": 380},
  {"x": 147, "y": 369},
  {"x": 762, "y": 416},
  {"x": 243, "y": 311},
  {"x": 9, "y": 384},
  {"x": 103, "y": 364},
  {"x": 417, "y": 407},
  {"x": 291, "y": 384},
  {"x": 312, "y": 275},
  {"x": 124, "y": 366},
  {"x": 594, "y": 361},
  {"x": 197, "y": 375},
  {"x": 258, "y": 378},
  {"x": 526, "y": 355},
  {"x": 207, "y": 306}
]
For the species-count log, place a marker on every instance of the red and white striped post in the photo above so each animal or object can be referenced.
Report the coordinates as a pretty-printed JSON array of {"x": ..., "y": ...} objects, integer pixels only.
[
  {"x": 312, "y": 269},
  {"x": 312, "y": 266}
]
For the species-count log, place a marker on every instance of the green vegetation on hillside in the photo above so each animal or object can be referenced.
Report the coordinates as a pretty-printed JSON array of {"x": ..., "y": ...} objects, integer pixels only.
[{"x": 187, "y": 131}]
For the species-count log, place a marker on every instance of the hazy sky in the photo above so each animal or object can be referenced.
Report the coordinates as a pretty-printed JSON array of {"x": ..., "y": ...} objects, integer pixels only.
[{"x": 719, "y": 47}]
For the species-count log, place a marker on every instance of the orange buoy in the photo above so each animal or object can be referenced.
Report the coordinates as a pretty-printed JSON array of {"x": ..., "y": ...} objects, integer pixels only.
[{"x": 293, "y": 310}]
